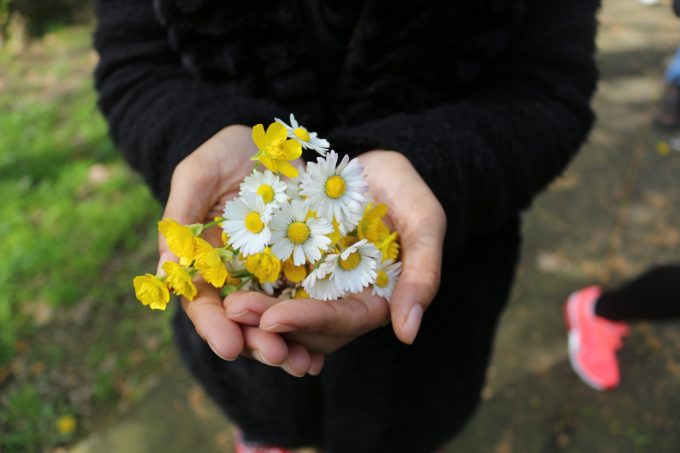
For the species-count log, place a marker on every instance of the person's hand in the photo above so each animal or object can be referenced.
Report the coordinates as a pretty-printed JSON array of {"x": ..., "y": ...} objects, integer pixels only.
[
  {"x": 326, "y": 326},
  {"x": 200, "y": 186}
]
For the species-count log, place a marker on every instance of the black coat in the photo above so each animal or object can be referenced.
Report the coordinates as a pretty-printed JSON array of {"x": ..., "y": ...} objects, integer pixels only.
[{"x": 489, "y": 99}]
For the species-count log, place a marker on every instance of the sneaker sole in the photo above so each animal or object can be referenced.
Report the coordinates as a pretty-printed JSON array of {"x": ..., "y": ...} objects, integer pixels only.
[{"x": 571, "y": 320}]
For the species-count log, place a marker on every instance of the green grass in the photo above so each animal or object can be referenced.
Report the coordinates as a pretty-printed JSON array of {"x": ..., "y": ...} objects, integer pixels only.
[{"x": 75, "y": 225}]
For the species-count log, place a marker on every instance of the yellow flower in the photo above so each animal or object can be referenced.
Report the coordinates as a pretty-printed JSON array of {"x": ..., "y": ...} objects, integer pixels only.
[
  {"x": 209, "y": 263},
  {"x": 276, "y": 150},
  {"x": 347, "y": 241},
  {"x": 151, "y": 291},
  {"x": 371, "y": 226},
  {"x": 180, "y": 240},
  {"x": 179, "y": 280},
  {"x": 294, "y": 273},
  {"x": 334, "y": 236},
  {"x": 66, "y": 424},
  {"x": 300, "y": 293},
  {"x": 389, "y": 247},
  {"x": 265, "y": 266}
]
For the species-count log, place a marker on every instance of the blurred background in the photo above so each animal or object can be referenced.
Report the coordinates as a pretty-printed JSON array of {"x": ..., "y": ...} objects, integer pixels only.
[{"x": 84, "y": 368}]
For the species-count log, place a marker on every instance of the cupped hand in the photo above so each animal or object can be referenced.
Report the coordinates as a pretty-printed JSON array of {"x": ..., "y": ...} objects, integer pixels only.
[
  {"x": 326, "y": 326},
  {"x": 200, "y": 185}
]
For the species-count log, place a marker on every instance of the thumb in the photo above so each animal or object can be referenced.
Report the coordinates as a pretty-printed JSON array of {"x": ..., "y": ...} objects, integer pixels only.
[
  {"x": 187, "y": 203},
  {"x": 418, "y": 283}
]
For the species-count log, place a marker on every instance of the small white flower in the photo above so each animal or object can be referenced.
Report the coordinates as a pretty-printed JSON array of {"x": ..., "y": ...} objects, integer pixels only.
[
  {"x": 386, "y": 279},
  {"x": 349, "y": 223},
  {"x": 335, "y": 193},
  {"x": 270, "y": 287},
  {"x": 293, "y": 187},
  {"x": 307, "y": 139},
  {"x": 294, "y": 232},
  {"x": 245, "y": 222},
  {"x": 320, "y": 283},
  {"x": 354, "y": 268},
  {"x": 267, "y": 186}
]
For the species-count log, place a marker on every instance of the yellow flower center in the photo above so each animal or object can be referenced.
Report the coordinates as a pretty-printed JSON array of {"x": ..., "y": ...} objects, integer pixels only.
[
  {"x": 266, "y": 192},
  {"x": 301, "y": 133},
  {"x": 298, "y": 232},
  {"x": 335, "y": 186},
  {"x": 276, "y": 149},
  {"x": 382, "y": 279},
  {"x": 351, "y": 262},
  {"x": 254, "y": 222}
]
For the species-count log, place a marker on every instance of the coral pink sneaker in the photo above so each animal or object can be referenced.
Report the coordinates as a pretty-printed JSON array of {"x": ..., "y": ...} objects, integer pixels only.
[{"x": 593, "y": 340}]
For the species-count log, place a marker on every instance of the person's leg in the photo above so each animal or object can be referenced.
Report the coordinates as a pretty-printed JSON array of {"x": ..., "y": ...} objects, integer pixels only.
[
  {"x": 594, "y": 321},
  {"x": 654, "y": 295}
]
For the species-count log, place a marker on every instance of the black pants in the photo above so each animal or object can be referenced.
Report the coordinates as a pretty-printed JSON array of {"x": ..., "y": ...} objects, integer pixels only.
[{"x": 654, "y": 295}]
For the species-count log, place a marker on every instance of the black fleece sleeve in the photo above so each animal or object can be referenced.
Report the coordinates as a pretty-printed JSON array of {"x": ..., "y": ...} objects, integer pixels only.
[
  {"x": 158, "y": 113},
  {"x": 486, "y": 156}
]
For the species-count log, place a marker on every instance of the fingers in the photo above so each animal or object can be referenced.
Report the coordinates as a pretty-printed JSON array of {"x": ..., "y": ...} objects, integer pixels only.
[
  {"x": 265, "y": 347},
  {"x": 317, "y": 364},
  {"x": 418, "y": 283},
  {"x": 247, "y": 307},
  {"x": 299, "y": 360},
  {"x": 352, "y": 316},
  {"x": 209, "y": 318},
  {"x": 269, "y": 348}
]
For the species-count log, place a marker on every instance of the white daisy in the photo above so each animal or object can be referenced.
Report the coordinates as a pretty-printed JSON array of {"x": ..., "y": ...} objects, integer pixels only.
[
  {"x": 386, "y": 279},
  {"x": 296, "y": 233},
  {"x": 349, "y": 223},
  {"x": 335, "y": 193},
  {"x": 245, "y": 222},
  {"x": 320, "y": 283},
  {"x": 293, "y": 187},
  {"x": 308, "y": 140},
  {"x": 267, "y": 186},
  {"x": 354, "y": 268}
]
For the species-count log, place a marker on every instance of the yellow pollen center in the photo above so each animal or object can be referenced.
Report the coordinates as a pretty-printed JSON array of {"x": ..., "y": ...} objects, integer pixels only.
[
  {"x": 276, "y": 150},
  {"x": 351, "y": 262},
  {"x": 266, "y": 192},
  {"x": 254, "y": 222},
  {"x": 335, "y": 186},
  {"x": 301, "y": 133},
  {"x": 382, "y": 279},
  {"x": 298, "y": 232}
]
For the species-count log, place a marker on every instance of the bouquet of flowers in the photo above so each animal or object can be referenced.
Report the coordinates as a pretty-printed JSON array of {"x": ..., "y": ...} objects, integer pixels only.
[{"x": 291, "y": 233}]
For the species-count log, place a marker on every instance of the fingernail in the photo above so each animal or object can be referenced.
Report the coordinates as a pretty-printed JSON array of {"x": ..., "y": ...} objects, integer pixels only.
[
  {"x": 260, "y": 357},
  {"x": 278, "y": 327},
  {"x": 218, "y": 354},
  {"x": 412, "y": 323},
  {"x": 289, "y": 371},
  {"x": 245, "y": 316}
]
